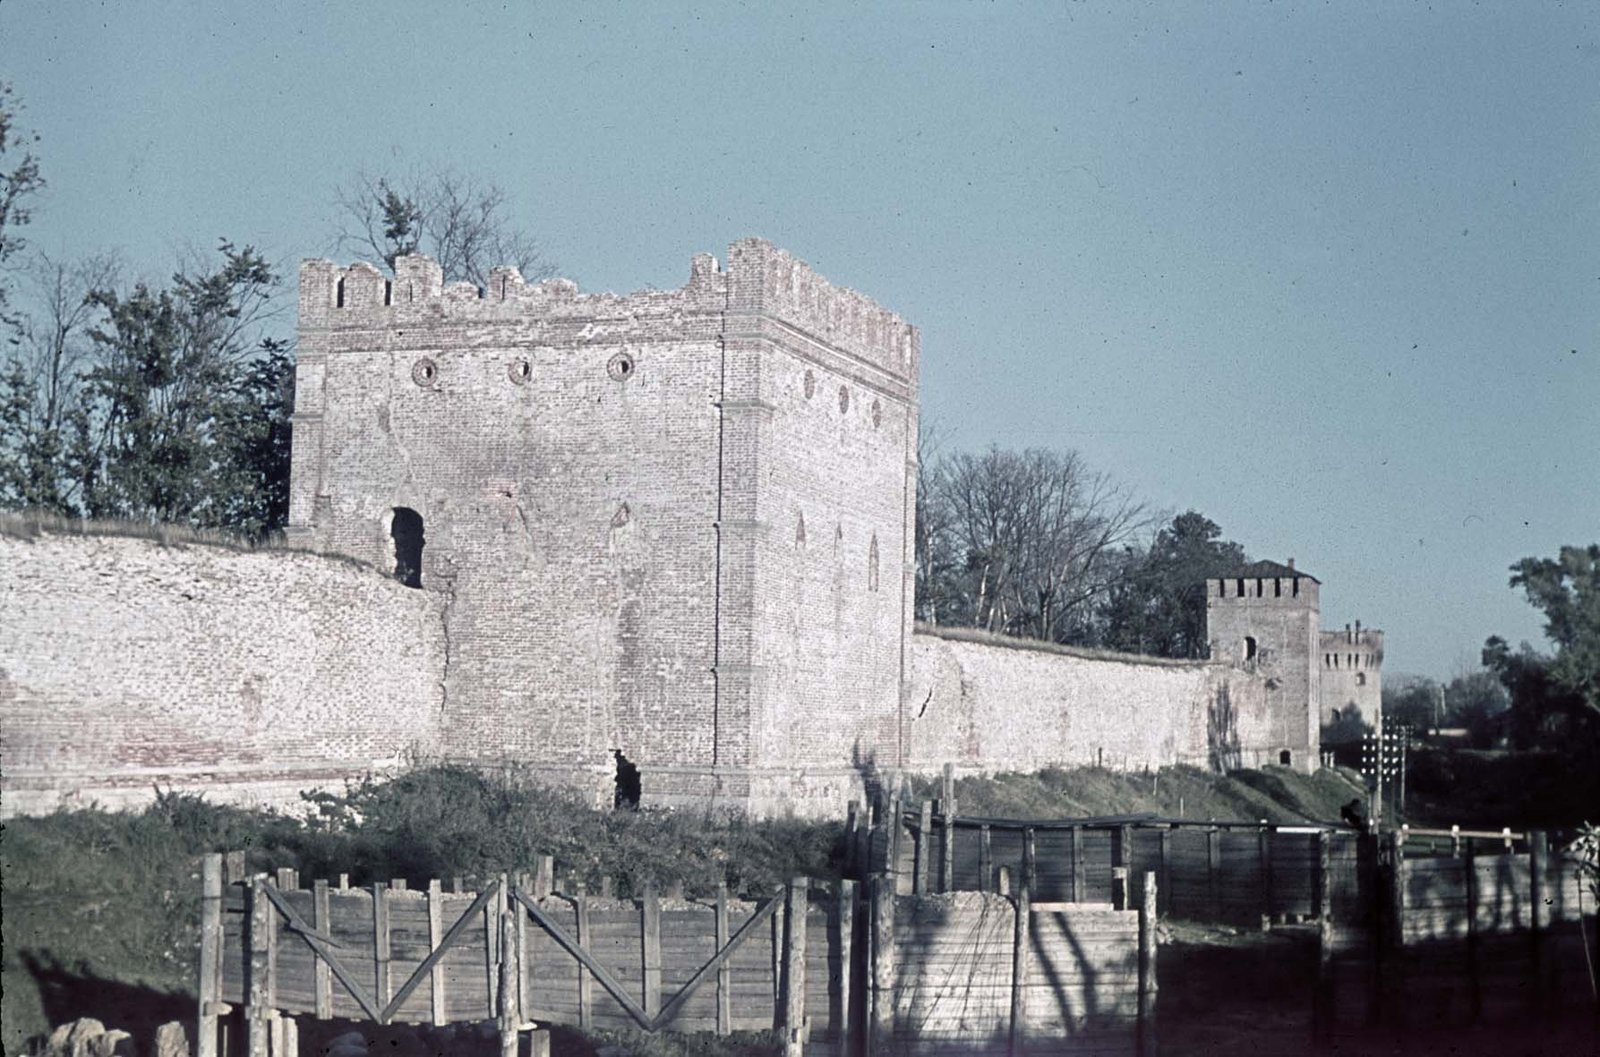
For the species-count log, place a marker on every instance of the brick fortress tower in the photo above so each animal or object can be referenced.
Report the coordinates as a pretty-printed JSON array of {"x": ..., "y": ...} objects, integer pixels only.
[
  {"x": 668, "y": 530},
  {"x": 1352, "y": 674},
  {"x": 1265, "y": 617}
]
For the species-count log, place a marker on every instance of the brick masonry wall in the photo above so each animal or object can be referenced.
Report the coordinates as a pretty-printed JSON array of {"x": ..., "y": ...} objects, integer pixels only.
[
  {"x": 988, "y": 708},
  {"x": 1352, "y": 672},
  {"x": 126, "y": 664},
  {"x": 610, "y": 487}
]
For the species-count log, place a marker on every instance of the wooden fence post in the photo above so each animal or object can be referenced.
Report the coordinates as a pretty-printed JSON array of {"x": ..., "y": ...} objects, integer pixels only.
[
  {"x": 1077, "y": 865},
  {"x": 895, "y": 835},
  {"x": 947, "y": 848},
  {"x": 580, "y": 899},
  {"x": 847, "y": 926},
  {"x": 1264, "y": 871},
  {"x": 794, "y": 959},
  {"x": 1538, "y": 915},
  {"x": 322, "y": 918},
  {"x": 919, "y": 874},
  {"x": 985, "y": 860},
  {"x": 1121, "y": 862},
  {"x": 1473, "y": 975},
  {"x": 1166, "y": 870},
  {"x": 880, "y": 1027},
  {"x": 256, "y": 1009},
  {"x": 509, "y": 1016},
  {"x": 544, "y": 876},
  {"x": 435, "y": 936},
  {"x": 210, "y": 954},
  {"x": 1030, "y": 861},
  {"x": 1021, "y": 951},
  {"x": 383, "y": 987},
  {"x": 1149, "y": 939},
  {"x": 1213, "y": 873},
  {"x": 724, "y": 971},
  {"x": 650, "y": 916}
]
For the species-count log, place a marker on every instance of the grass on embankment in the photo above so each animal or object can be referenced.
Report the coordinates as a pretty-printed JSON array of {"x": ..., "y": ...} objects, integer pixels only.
[
  {"x": 101, "y": 911},
  {"x": 1276, "y": 794}
]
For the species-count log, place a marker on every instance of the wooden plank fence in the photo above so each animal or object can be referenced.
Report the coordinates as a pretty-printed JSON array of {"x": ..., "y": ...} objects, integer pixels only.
[
  {"x": 1480, "y": 938},
  {"x": 1234, "y": 872},
  {"x": 818, "y": 964}
]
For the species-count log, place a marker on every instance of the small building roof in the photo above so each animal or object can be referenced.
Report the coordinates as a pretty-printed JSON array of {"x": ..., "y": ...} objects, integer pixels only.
[{"x": 1267, "y": 570}]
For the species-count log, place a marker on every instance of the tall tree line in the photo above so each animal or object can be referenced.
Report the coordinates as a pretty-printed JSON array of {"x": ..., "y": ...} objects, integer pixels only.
[
  {"x": 1037, "y": 544},
  {"x": 170, "y": 401}
]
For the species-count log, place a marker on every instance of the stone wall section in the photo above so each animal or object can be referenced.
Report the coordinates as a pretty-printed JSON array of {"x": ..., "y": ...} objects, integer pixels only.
[
  {"x": 833, "y": 413},
  {"x": 990, "y": 705},
  {"x": 127, "y": 664}
]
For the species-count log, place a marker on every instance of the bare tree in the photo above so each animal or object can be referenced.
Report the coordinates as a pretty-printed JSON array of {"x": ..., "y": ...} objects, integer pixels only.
[
  {"x": 1036, "y": 534},
  {"x": 55, "y": 347},
  {"x": 462, "y": 222}
]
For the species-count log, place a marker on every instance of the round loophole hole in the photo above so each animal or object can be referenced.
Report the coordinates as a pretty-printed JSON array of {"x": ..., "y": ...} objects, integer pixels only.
[
  {"x": 519, "y": 372},
  {"x": 621, "y": 367},
  {"x": 424, "y": 372}
]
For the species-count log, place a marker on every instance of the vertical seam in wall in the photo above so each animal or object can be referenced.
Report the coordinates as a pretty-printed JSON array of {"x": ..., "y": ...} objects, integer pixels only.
[
  {"x": 908, "y": 528},
  {"x": 716, "y": 592}
]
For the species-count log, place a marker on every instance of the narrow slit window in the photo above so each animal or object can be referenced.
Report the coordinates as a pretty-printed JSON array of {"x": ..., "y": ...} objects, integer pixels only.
[{"x": 405, "y": 530}]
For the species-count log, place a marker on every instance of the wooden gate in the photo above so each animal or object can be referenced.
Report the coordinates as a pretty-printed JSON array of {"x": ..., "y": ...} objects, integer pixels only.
[{"x": 519, "y": 953}]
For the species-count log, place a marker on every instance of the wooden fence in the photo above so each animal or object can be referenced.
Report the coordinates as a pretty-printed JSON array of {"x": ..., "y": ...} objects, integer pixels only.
[
  {"x": 1232, "y": 872},
  {"x": 977, "y": 972},
  {"x": 830, "y": 972},
  {"x": 1459, "y": 940}
]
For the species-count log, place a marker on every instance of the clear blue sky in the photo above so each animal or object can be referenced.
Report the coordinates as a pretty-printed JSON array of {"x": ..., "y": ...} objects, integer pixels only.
[{"x": 1328, "y": 273}]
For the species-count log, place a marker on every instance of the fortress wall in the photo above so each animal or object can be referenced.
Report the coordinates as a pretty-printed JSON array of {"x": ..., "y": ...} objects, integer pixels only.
[
  {"x": 569, "y": 505},
  {"x": 126, "y": 664},
  {"x": 835, "y": 424},
  {"x": 990, "y": 707}
]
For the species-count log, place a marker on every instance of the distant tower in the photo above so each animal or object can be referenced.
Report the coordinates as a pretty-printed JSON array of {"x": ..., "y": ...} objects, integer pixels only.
[
  {"x": 1265, "y": 617},
  {"x": 1352, "y": 674}
]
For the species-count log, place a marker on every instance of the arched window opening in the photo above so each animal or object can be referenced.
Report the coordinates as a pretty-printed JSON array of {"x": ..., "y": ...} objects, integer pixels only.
[
  {"x": 1285, "y": 758},
  {"x": 1249, "y": 647},
  {"x": 406, "y": 532},
  {"x": 1336, "y": 715},
  {"x": 1361, "y": 678},
  {"x": 629, "y": 786}
]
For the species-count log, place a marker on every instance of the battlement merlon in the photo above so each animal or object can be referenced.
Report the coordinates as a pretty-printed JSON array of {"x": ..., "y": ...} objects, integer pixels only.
[
  {"x": 767, "y": 281},
  {"x": 761, "y": 280}
]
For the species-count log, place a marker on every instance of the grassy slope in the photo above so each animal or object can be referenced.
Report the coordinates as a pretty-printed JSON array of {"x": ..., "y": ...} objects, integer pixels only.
[{"x": 1277, "y": 794}]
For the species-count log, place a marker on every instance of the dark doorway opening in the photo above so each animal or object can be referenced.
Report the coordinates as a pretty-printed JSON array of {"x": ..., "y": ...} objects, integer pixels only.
[
  {"x": 406, "y": 531},
  {"x": 1285, "y": 758},
  {"x": 1249, "y": 648},
  {"x": 628, "y": 785}
]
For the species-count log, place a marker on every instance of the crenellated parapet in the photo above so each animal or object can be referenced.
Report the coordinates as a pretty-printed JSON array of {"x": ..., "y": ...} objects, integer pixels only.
[
  {"x": 361, "y": 296},
  {"x": 771, "y": 282},
  {"x": 761, "y": 281}
]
